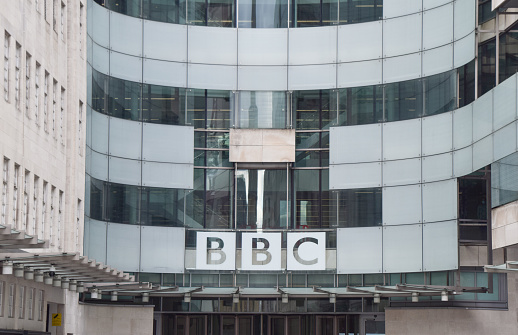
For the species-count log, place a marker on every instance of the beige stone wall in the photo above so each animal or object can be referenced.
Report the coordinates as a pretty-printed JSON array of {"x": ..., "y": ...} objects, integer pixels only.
[
  {"x": 423, "y": 321},
  {"x": 504, "y": 222},
  {"x": 117, "y": 320},
  {"x": 262, "y": 145}
]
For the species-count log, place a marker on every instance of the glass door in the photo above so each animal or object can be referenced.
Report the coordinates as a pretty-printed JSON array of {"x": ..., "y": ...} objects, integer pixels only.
[
  {"x": 325, "y": 325},
  {"x": 370, "y": 325},
  {"x": 277, "y": 325}
]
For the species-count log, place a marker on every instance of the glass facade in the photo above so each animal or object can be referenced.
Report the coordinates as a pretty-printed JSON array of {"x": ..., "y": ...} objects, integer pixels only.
[{"x": 251, "y": 13}]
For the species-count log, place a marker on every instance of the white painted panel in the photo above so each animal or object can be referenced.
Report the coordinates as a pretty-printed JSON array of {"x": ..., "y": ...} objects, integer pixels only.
[
  {"x": 440, "y": 201},
  {"x": 504, "y": 141},
  {"x": 266, "y": 255},
  {"x": 402, "y": 172},
  {"x": 101, "y": 59},
  {"x": 402, "y": 139},
  {"x": 262, "y": 78},
  {"x": 402, "y": 35},
  {"x": 483, "y": 152},
  {"x": 402, "y": 205},
  {"x": 393, "y": 8},
  {"x": 359, "y": 73},
  {"x": 125, "y": 138},
  {"x": 358, "y": 42},
  {"x": 483, "y": 116},
  {"x": 321, "y": 39},
  {"x": 438, "y": 167},
  {"x": 463, "y": 127},
  {"x": 89, "y": 49},
  {"x": 262, "y": 46},
  {"x": 355, "y": 144},
  {"x": 89, "y": 16},
  {"x": 165, "y": 41},
  {"x": 223, "y": 245},
  {"x": 123, "y": 248},
  {"x": 402, "y": 248},
  {"x": 101, "y": 28},
  {"x": 392, "y": 68},
  {"x": 322, "y": 76},
  {"x": 125, "y": 171},
  {"x": 359, "y": 250},
  {"x": 125, "y": 34},
  {"x": 464, "y": 50},
  {"x": 464, "y": 18},
  {"x": 427, "y": 4},
  {"x": 166, "y": 143},
  {"x": 463, "y": 161},
  {"x": 220, "y": 77},
  {"x": 125, "y": 67},
  {"x": 165, "y": 73},
  {"x": 437, "y": 60},
  {"x": 440, "y": 246},
  {"x": 504, "y": 103},
  {"x": 97, "y": 164},
  {"x": 167, "y": 175},
  {"x": 95, "y": 239},
  {"x": 99, "y": 127},
  {"x": 438, "y": 26},
  {"x": 163, "y": 249},
  {"x": 350, "y": 176},
  {"x": 309, "y": 251},
  {"x": 437, "y": 134},
  {"x": 211, "y": 45}
]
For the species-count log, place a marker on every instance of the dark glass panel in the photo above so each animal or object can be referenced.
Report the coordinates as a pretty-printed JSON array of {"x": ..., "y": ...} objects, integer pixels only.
[
  {"x": 163, "y": 104},
  {"x": 328, "y": 213},
  {"x": 356, "y": 11},
  {"x": 218, "y": 198},
  {"x": 307, "y": 140},
  {"x": 200, "y": 139},
  {"x": 404, "y": 100},
  {"x": 220, "y": 13},
  {"x": 196, "y": 108},
  {"x": 358, "y": 207},
  {"x": 484, "y": 11},
  {"x": 124, "y": 99},
  {"x": 373, "y": 279},
  {"x": 100, "y": 2},
  {"x": 199, "y": 158},
  {"x": 486, "y": 66},
  {"x": 99, "y": 84},
  {"x": 127, "y": 7},
  {"x": 170, "y": 11},
  {"x": 320, "y": 305},
  {"x": 149, "y": 277},
  {"x": 122, "y": 203},
  {"x": 321, "y": 279},
  {"x": 473, "y": 233},
  {"x": 96, "y": 199},
  {"x": 262, "y": 280},
  {"x": 174, "y": 305},
  {"x": 217, "y": 140},
  {"x": 307, "y": 158},
  {"x": 218, "y": 158},
  {"x": 218, "y": 109},
  {"x": 205, "y": 279},
  {"x": 472, "y": 199},
  {"x": 441, "y": 93},
  {"x": 307, "y": 198},
  {"x": 263, "y": 14},
  {"x": 294, "y": 305},
  {"x": 360, "y": 105},
  {"x": 195, "y": 201},
  {"x": 308, "y": 13},
  {"x": 508, "y": 54},
  {"x": 307, "y": 109},
  {"x": 262, "y": 199},
  {"x": 162, "y": 207},
  {"x": 466, "y": 84}
]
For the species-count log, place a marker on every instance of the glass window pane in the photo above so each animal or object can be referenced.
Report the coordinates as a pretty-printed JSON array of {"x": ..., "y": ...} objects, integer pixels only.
[
  {"x": 124, "y": 99},
  {"x": 218, "y": 109},
  {"x": 359, "y": 207},
  {"x": 122, "y": 204},
  {"x": 162, "y": 104},
  {"x": 404, "y": 100},
  {"x": 355, "y": 11},
  {"x": 262, "y": 110},
  {"x": 96, "y": 199},
  {"x": 360, "y": 105},
  {"x": 307, "y": 198},
  {"x": 195, "y": 201},
  {"x": 196, "y": 107},
  {"x": 441, "y": 92},
  {"x": 486, "y": 66},
  {"x": 162, "y": 207},
  {"x": 263, "y": 14},
  {"x": 99, "y": 83},
  {"x": 218, "y": 198},
  {"x": 171, "y": 11},
  {"x": 127, "y": 7}
]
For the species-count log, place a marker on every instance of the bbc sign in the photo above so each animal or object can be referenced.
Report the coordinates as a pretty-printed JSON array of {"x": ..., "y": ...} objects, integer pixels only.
[{"x": 261, "y": 251}]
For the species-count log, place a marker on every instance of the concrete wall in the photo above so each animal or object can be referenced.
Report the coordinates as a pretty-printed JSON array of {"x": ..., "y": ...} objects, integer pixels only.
[
  {"x": 117, "y": 320},
  {"x": 423, "y": 321}
]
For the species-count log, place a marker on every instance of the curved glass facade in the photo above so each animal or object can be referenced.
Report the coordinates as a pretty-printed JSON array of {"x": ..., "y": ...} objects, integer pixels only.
[
  {"x": 251, "y": 13},
  {"x": 302, "y": 110}
]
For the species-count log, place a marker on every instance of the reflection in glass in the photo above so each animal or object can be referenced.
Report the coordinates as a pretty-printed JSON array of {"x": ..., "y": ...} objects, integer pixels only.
[
  {"x": 467, "y": 83},
  {"x": 360, "y": 105},
  {"x": 218, "y": 198},
  {"x": 170, "y": 11},
  {"x": 356, "y": 11},
  {"x": 213, "y": 13},
  {"x": 440, "y": 93},
  {"x": 357, "y": 208},
  {"x": 508, "y": 64},
  {"x": 263, "y": 14},
  {"x": 127, "y": 7},
  {"x": 163, "y": 104},
  {"x": 262, "y": 199},
  {"x": 314, "y": 109},
  {"x": 124, "y": 99},
  {"x": 486, "y": 66},
  {"x": 195, "y": 201},
  {"x": 99, "y": 84},
  {"x": 122, "y": 204},
  {"x": 209, "y": 108},
  {"x": 404, "y": 100},
  {"x": 162, "y": 207},
  {"x": 97, "y": 199},
  {"x": 258, "y": 109},
  {"x": 314, "y": 13}
]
